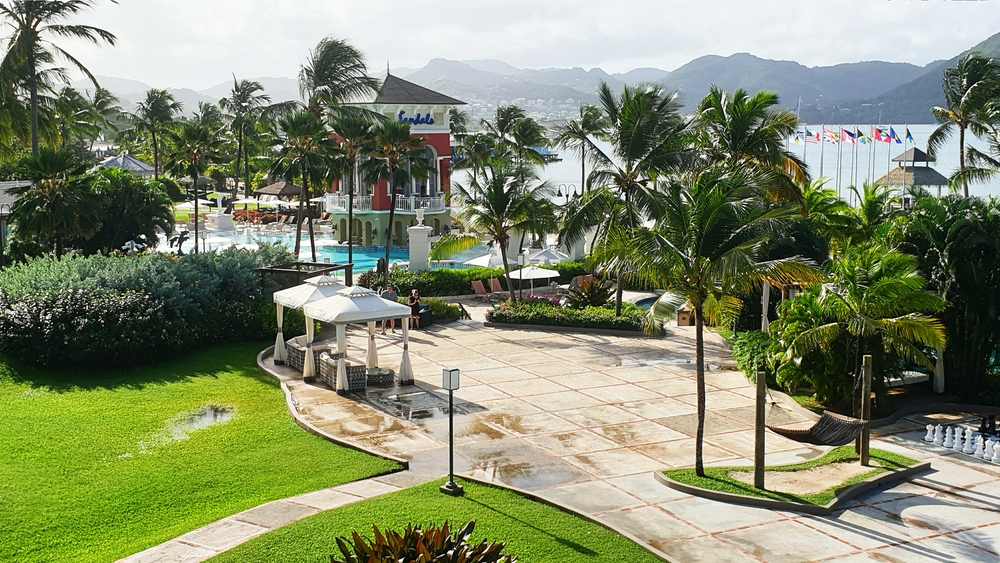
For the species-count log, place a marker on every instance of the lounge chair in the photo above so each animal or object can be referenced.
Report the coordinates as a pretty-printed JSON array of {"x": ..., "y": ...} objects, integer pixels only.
[
  {"x": 496, "y": 287},
  {"x": 481, "y": 292}
]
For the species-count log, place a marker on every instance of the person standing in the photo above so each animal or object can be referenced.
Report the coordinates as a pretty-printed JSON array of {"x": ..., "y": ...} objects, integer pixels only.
[
  {"x": 389, "y": 295},
  {"x": 414, "y": 303}
]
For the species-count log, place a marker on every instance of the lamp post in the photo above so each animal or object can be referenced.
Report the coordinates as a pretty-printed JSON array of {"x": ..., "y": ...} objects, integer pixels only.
[
  {"x": 567, "y": 187},
  {"x": 520, "y": 282},
  {"x": 4, "y": 212},
  {"x": 450, "y": 381}
]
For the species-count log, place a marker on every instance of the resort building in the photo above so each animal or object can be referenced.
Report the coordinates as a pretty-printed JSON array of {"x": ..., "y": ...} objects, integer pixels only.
[{"x": 427, "y": 113}]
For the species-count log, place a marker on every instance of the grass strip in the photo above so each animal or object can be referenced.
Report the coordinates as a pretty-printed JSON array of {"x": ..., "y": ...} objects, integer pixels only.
[
  {"x": 93, "y": 471},
  {"x": 718, "y": 479},
  {"x": 534, "y": 532}
]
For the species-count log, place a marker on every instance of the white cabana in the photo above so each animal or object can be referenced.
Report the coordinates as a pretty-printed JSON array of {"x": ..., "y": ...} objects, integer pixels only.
[
  {"x": 491, "y": 260},
  {"x": 357, "y": 305},
  {"x": 319, "y": 287},
  {"x": 548, "y": 256},
  {"x": 532, "y": 273},
  {"x": 189, "y": 205}
]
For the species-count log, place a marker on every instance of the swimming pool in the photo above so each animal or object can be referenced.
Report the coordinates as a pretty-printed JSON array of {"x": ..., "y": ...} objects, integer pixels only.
[{"x": 646, "y": 302}]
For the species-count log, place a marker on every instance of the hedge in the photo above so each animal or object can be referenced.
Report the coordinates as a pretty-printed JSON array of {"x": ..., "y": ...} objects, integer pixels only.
[
  {"x": 123, "y": 310},
  {"x": 444, "y": 282},
  {"x": 538, "y": 311}
]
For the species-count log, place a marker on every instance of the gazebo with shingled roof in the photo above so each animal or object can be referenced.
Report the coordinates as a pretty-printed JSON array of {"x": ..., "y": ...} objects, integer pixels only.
[{"x": 909, "y": 174}]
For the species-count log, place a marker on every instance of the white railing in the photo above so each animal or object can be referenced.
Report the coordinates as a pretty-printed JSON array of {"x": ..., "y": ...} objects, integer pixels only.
[
  {"x": 339, "y": 202},
  {"x": 411, "y": 203}
]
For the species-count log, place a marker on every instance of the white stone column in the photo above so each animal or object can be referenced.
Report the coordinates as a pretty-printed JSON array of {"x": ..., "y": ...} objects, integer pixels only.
[{"x": 420, "y": 244}]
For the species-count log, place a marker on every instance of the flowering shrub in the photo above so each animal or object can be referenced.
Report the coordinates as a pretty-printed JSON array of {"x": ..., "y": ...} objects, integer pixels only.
[{"x": 544, "y": 312}]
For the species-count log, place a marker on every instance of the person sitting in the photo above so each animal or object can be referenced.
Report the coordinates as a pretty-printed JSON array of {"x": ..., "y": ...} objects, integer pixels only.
[
  {"x": 389, "y": 295},
  {"x": 414, "y": 303}
]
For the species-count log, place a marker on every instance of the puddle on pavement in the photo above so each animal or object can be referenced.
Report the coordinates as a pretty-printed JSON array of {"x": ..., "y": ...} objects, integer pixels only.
[
  {"x": 180, "y": 427},
  {"x": 414, "y": 407}
]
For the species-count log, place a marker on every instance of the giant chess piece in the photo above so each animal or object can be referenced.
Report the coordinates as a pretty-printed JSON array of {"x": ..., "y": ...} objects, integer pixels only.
[
  {"x": 929, "y": 437},
  {"x": 970, "y": 443},
  {"x": 938, "y": 435},
  {"x": 983, "y": 425},
  {"x": 949, "y": 437},
  {"x": 988, "y": 453},
  {"x": 991, "y": 428},
  {"x": 980, "y": 447},
  {"x": 996, "y": 454},
  {"x": 959, "y": 444}
]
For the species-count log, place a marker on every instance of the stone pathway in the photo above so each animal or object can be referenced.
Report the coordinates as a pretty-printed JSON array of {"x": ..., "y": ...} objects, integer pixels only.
[{"x": 210, "y": 540}]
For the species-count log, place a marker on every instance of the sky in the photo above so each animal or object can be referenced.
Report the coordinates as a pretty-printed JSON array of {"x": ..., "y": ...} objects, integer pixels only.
[{"x": 200, "y": 43}]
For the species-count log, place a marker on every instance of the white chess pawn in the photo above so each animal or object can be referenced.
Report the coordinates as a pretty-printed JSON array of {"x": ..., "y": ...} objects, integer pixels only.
[
  {"x": 996, "y": 454},
  {"x": 949, "y": 437},
  {"x": 938, "y": 435},
  {"x": 929, "y": 437},
  {"x": 970, "y": 442},
  {"x": 980, "y": 447},
  {"x": 988, "y": 453},
  {"x": 959, "y": 443}
]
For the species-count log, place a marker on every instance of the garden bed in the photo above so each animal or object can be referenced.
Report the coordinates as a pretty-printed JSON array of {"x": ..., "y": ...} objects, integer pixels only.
[
  {"x": 816, "y": 487},
  {"x": 545, "y": 314}
]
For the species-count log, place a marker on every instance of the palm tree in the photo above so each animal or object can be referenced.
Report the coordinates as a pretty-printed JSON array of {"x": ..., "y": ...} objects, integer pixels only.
[
  {"x": 356, "y": 141},
  {"x": 59, "y": 204},
  {"x": 193, "y": 148},
  {"x": 154, "y": 115},
  {"x": 872, "y": 218},
  {"x": 74, "y": 117},
  {"x": 106, "y": 112},
  {"x": 33, "y": 21},
  {"x": 505, "y": 200},
  {"x": 305, "y": 151},
  {"x": 749, "y": 133},
  {"x": 334, "y": 73},
  {"x": 245, "y": 106},
  {"x": 648, "y": 138},
  {"x": 703, "y": 248},
  {"x": 874, "y": 294},
  {"x": 828, "y": 215},
  {"x": 514, "y": 132},
  {"x": 395, "y": 156},
  {"x": 968, "y": 88},
  {"x": 575, "y": 135}
]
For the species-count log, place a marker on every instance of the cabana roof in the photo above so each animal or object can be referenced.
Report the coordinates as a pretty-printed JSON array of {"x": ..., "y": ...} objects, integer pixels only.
[
  {"x": 354, "y": 304},
  {"x": 314, "y": 289},
  {"x": 913, "y": 176},
  {"x": 280, "y": 189}
]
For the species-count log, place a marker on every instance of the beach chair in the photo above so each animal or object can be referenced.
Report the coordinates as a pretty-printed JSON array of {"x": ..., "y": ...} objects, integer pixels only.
[
  {"x": 481, "y": 292},
  {"x": 496, "y": 288}
]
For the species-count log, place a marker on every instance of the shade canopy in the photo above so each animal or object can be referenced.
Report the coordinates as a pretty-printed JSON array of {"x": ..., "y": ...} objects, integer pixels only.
[
  {"x": 913, "y": 155},
  {"x": 354, "y": 304},
  {"x": 280, "y": 189},
  {"x": 255, "y": 201},
  {"x": 913, "y": 176},
  {"x": 203, "y": 181},
  {"x": 548, "y": 256},
  {"x": 189, "y": 205},
  {"x": 319, "y": 287},
  {"x": 128, "y": 162},
  {"x": 533, "y": 273},
  {"x": 490, "y": 260}
]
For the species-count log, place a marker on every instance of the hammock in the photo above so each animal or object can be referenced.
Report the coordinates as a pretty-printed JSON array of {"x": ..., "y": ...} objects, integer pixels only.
[{"x": 831, "y": 429}]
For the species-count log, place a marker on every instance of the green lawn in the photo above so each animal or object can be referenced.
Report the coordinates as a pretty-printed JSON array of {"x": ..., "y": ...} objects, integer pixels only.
[
  {"x": 534, "y": 532},
  {"x": 91, "y": 471},
  {"x": 718, "y": 479}
]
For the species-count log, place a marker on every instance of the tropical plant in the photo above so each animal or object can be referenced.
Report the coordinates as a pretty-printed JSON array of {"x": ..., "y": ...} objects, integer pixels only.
[
  {"x": 305, "y": 149},
  {"x": 514, "y": 132},
  {"x": 968, "y": 87},
  {"x": 357, "y": 139},
  {"x": 33, "y": 22},
  {"x": 60, "y": 203},
  {"x": 416, "y": 544},
  {"x": 648, "y": 139},
  {"x": 590, "y": 293},
  {"x": 749, "y": 133},
  {"x": 703, "y": 248},
  {"x": 395, "y": 156},
  {"x": 334, "y": 73},
  {"x": 154, "y": 116},
  {"x": 507, "y": 199},
  {"x": 106, "y": 113},
  {"x": 131, "y": 210},
  {"x": 576, "y": 134},
  {"x": 193, "y": 148},
  {"x": 872, "y": 218}
]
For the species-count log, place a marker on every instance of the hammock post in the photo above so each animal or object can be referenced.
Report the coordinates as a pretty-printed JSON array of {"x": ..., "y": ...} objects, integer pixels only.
[
  {"x": 758, "y": 437},
  {"x": 866, "y": 405}
]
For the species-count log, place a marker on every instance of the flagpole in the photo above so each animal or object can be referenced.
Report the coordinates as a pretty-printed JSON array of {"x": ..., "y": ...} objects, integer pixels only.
[
  {"x": 840, "y": 157},
  {"x": 822, "y": 147},
  {"x": 805, "y": 141},
  {"x": 854, "y": 162},
  {"x": 871, "y": 156},
  {"x": 888, "y": 157},
  {"x": 906, "y": 141}
]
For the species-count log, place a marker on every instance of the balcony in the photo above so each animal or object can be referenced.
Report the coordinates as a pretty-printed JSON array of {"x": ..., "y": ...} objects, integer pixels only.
[
  {"x": 404, "y": 204},
  {"x": 339, "y": 202}
]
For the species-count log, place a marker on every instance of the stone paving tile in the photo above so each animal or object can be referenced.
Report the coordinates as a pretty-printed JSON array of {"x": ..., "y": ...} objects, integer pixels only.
[
  {"x": 223, "y": 534},
  {"x": 658, "y": 408},
  {"x": 934, "y": 550},
  {"x": 566, "y": 400},
  {"x": 531, "y": 424},
  {"x": 599, "y": 416},
  {"x": 468, "y": 429},
  {"x": 647, "y": 488},
  {"x": 171, "y": 552},
  {"x": 524, "y": 388},
  {"x": 866, "y": 527},
  {"x": 592, "y": 497},
  {"x": 585, "y": 380},
  {"x": 554, "y": 368},
  {"x": 674, "y": 387},
  {"x": 987, "y": 538},
  {"x": 399, "y": 444},
  {"x": 651, "y": 525},
  {"x": 572, "y": 443},
  {"x": 621, "y": 393},
  {"x": 612, "y": 463},
  {"x": 680, "y": 453},
  {"x": 713, "y": 516},
  {"x": 785, "y": 542},
  {"x": 478, "y": 393},
  {"x": 496, "y": 375},
  {"x": 324, "y": 499},
  {"x": 367, "y": 488},
  {"x": 939, "y": 513},
  {"x": 638, "y": 433},
  {"x": 633, "y": 374},
  {"x": 742, "y": 442},
  {"x": 705, "y": 549},
  {"x": 720, "y": 400},
  {"x": 714, "y": 424},
  {"x": 509, "y": 406},
  {"x": 275, "y": 514}
]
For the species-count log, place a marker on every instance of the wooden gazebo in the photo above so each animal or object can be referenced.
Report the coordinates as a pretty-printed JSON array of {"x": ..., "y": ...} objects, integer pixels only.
[{"x": 909, "y": 174}]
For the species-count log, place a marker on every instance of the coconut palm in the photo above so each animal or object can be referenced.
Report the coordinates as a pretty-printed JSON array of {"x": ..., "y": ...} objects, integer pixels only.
[
  {"x": 304, "y": 149},
  {"x": 106, "y": 112},
  {"x": 749, "y": 133},
  {"x": 968, "y": 88},
  {"x": 704, "y": 248},
  {"x": 154, "y": 115},
  {"x": 334, "y": 73},
  {"x": 648, "y": 138},
  {"x": 872, "y": 217},
  {"x": 505, "y": 200},
  {"x": 33, "y": 23},
  {"x": 395, "y": 156},
  {"x": 59, "y": 204},
  {"x": 74, "y": 116},
  {"x": 192, "y": 149},
  {"x": 514, "y": 132},
  {"x": 575, "y": 135},
  {"x": 356, "y": 141}
]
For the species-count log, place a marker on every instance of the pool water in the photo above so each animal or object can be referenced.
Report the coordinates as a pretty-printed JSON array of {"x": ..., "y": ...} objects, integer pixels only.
[{"x": 646, "y": 302}]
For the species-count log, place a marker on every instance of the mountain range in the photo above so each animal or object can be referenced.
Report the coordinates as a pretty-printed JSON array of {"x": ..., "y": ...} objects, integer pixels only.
[{"x": 862, "y": 92}]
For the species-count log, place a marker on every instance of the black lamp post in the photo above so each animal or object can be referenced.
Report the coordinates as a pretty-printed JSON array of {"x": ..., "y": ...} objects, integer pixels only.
[
  {"x": 449, "y": 381},
  {"x": 4, "y": 212}
]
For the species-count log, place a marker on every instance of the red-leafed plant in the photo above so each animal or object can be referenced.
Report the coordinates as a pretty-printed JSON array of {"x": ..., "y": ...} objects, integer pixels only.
[{"x": 435, "y": 544}]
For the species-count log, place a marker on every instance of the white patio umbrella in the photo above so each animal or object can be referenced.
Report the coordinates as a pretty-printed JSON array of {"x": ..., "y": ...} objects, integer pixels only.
[
  {"x": 490, "y": 260},
  {"x": 532, "y": 273},
  {"x": 354, "y": 305},
  {"x": 548, "y": 256},
  {"x": 319, "y": 287}
]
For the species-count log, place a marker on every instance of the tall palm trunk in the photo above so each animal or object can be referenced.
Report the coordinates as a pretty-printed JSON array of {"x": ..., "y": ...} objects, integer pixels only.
[
  {"x": 298, "y": 222},
  {"x": 961, "y": 158},
  {"x": 506, "y": 269},
  {"x": 583, "y": 169},
  {"x": 350, "y": 215},
  {"x": 246, "y": 172},
  {"x": 33, "y": 93},
  {"x": 195, "y": 184},
  {"x": 156, "y": 157},
  {"x": 239, "y": 154},
  {"x": 388, "y": 235},
  {"x": 699, "y": 346},
  {"x": 312, "y": 235}
]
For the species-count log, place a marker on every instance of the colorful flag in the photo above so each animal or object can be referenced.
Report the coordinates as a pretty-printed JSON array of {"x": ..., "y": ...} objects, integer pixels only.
[
  {"x": 812, "y": 137},
  {"x": 830, "y": 136},
  {"x": 894, "y": 137},
  {"x": 797, "y": 139},
  {"x": 847, "y": 136},
  {"x": 909, "y": 137},
  {"x": 881, "y": 135},
  {"x": 865, "y": 139}
]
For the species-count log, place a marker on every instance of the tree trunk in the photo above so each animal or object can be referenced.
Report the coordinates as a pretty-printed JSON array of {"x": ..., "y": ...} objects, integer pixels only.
[
  {"x": 583, "y": 168},
  {"x": 239, "y": 155},
  {"x": 298, "y": 222},
  {"x": 246, "y": 171},
  {"x": 33, "y": 95},
  {"x": 195, "y": 178},
  {"x": 699, "y": 346},
  {"x": 156, "y": 158},
  {"x": 506, "y": 269},
  {"x": 312, "y": 235},
  {"x": 350, "y": 215},
  {"x": 618, "y": 295},
  {"x": 388, "y": 236},
  {"x": 961, "y": 158}
]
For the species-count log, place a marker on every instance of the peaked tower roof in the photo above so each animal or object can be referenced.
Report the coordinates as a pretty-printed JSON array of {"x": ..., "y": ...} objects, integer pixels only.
[{"x": 395, "y": 90}]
